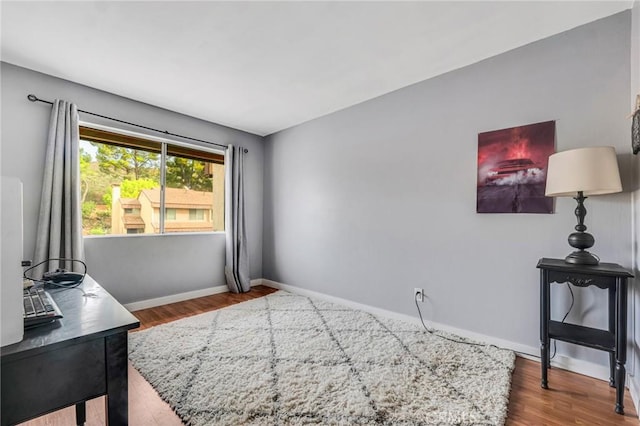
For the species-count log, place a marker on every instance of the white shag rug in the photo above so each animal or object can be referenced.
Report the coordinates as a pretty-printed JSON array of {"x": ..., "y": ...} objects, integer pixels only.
[{"x": 285, "y": 359}]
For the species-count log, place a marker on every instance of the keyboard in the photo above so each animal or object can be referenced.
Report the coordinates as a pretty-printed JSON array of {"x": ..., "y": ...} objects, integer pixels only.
[{"x": 39, "y": 307}]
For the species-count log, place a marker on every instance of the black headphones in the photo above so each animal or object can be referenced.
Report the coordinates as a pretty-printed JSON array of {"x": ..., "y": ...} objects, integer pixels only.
[{"x": 59, "y": 277}]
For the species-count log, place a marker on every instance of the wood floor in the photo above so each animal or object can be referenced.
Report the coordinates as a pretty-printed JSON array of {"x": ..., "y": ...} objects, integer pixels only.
[{"x": 572, "y": 399}]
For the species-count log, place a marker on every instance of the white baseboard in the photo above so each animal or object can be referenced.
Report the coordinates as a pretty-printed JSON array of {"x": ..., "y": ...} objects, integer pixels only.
[
  {"x": 634, "y": 392},
  {"x": 180, "y": 297},
  {"x": 566, "y": 363},
  {"x": 165, "y": 300}
]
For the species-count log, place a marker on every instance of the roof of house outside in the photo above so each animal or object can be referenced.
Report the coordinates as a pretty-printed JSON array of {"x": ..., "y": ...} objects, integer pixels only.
[
  {"x": 179, "y": 198},
  {"x": 132, "y": 221},
  {"x": 128, "y": 203}
]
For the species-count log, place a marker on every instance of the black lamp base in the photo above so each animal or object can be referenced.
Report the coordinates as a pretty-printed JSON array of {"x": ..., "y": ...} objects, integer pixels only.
[
  {"x": 581, "y": 257},
  {"x": 580, "y": 239}
]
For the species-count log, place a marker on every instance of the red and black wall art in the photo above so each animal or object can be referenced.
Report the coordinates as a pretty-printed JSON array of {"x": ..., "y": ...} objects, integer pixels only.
[{"x": 512, "y": 165}]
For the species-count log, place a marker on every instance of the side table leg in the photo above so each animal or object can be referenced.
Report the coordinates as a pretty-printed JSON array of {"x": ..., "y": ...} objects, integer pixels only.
[
  {"x": 544, "y": 327},
  {"x": 612, "y": 329},
  {"x": 621, "y": 341},
  {"x": 620, "y": 376},
  {"x": 544, "y": 364}
]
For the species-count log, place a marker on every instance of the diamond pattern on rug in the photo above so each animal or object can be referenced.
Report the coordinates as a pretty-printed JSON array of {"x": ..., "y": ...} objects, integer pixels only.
[
  {"x": 332, "y": 390},
  {"x": 285, "y": 359},
  {"x": 315, "y": 344}
]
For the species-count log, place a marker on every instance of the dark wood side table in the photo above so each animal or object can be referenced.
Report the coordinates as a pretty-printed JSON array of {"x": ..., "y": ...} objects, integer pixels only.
[
  {"x": 607, "y": 276},
  {"x": 79, "y": 357}
]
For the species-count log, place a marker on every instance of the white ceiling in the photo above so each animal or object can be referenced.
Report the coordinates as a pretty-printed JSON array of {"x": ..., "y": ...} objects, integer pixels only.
[{"x": 265, "y": 66}]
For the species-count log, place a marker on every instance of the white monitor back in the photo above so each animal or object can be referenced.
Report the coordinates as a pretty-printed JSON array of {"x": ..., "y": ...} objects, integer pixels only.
[{"x": 11, "y": 316}]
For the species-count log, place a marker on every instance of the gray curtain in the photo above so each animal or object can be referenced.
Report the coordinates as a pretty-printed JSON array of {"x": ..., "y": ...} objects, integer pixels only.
[
  {"x": 60, "y": 220},
  {"x": 236, "y": 268}
]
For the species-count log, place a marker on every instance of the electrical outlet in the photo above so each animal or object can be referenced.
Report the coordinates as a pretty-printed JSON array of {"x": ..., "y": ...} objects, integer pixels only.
[{"x": 418, "y": 294}]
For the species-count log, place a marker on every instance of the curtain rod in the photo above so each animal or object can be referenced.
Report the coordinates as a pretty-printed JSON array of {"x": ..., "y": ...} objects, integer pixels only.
[{"x": 34, "y": 98}]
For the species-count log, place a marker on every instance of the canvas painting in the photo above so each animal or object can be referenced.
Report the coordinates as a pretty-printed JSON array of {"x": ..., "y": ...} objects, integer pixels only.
[{"x": 512, "y": 165}]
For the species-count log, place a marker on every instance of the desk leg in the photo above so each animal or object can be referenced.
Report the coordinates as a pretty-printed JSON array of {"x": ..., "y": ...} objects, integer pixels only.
[
  {"x": 612, "y": 329},
  {"x": 544, "y": 326},
  {"x": 117, "y": 408},
  {"x": 81, "y": 413},
  {"x": 621, "y": 341}
]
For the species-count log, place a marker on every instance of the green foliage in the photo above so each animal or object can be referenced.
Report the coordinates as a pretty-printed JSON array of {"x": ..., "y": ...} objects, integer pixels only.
[
  {"x": 91, "y": 183},
  {"x": 95, "y": 219},
  {"x": 132, "y": 188},
  {"x": 106, "y": 199},
  {"x": 88, "y": 208},
  {"x": 124, "y": 162},
  {"x": 185, "y": 173},
  {"x": 85, "y": 161},
  {"x": 104, "y": 215}
]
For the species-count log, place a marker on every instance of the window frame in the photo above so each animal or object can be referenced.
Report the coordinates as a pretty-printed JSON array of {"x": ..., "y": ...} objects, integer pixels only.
[{"x": 182, "y": 149}]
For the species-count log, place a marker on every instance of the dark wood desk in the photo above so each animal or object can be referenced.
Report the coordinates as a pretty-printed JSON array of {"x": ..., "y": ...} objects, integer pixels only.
[
  {"x": 607, "y": 276},
  {"x": 77, "y": 358}
]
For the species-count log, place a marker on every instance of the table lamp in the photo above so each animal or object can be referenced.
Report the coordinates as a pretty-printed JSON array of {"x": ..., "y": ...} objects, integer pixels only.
[{"x": 579, "y": 173}]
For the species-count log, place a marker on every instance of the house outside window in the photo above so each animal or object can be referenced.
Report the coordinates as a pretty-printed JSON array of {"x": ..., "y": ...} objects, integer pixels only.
[{"x": 122, "y": 191}]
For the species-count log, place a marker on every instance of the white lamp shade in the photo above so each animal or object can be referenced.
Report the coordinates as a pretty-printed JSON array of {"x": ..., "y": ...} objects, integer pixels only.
[{"x": 592, "y": 170}]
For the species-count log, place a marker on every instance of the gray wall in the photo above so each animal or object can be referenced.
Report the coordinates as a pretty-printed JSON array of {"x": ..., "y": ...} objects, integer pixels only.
[
  {"x": 634, "y": 299},
  {"x": 132, "y": 268},
  {"x": 374, "y": 200}
]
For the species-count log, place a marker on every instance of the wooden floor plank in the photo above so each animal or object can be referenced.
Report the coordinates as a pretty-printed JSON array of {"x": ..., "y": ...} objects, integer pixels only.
[{"x": 572, "y": 399}]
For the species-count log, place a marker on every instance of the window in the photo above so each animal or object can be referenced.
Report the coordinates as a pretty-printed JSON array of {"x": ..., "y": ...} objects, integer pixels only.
[
  {"x": 196, "y": 214},
  {"x": 123, "y": 192}
]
